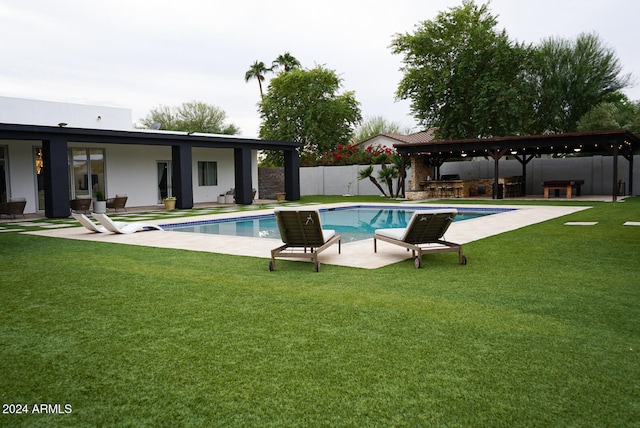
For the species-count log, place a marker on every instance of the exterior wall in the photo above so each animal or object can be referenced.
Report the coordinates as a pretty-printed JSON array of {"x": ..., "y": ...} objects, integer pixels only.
[
  {"x": 22, "y": 180},
  {"x": 336, "y": 180},
  {"x": 37, "y": 112},
  {"x": 596, "y": 171},
  {"x": 129, "y": 168}
]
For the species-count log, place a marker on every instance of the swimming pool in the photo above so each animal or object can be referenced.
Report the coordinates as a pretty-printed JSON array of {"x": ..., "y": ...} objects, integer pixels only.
[{"x": 354, "y": 223}]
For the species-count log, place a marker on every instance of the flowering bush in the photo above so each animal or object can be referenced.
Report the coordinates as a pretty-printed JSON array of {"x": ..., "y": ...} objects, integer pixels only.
[{"x": 348, "y": 154}]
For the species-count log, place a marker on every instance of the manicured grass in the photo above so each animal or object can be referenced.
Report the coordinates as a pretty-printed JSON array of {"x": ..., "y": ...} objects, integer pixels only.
[{"x": 541, "y": 328}]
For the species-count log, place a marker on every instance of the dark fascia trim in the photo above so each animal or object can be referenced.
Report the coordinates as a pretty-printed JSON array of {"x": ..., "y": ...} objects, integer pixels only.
[
  {"x": 590, "y": 142},
  {"x": 88, "y": 135}
]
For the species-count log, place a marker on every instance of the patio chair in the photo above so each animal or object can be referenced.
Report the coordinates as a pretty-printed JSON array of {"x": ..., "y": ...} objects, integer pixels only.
[
  {"x": 114, "y": 227},
  {"x": 303, "y": 236},
  {"x": 13, "y": 207},
  {"x": 117, "y": 203},
  {"x": 81, "y": 204},
  {"x": 423, "y": 234}
]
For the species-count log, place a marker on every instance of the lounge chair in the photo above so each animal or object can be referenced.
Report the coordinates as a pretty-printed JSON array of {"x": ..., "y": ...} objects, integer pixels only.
[
  {"x": 423, "y": 234},
  {"x": 114, "y": 227},
  {"x": 89, "y": 225},
  {"x": 303, "y": 236}
]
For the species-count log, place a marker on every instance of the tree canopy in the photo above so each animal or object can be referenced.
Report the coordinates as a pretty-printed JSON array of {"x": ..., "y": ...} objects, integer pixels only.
[
  {"x": 465, "y": 77},
  {"x": 372, "y": 126},
  {"x": 570, "y": 78},
  {"x": 305, "y": 106},
  {"x": 462, "y": 75},
  {"x": 193, "y": 116}
]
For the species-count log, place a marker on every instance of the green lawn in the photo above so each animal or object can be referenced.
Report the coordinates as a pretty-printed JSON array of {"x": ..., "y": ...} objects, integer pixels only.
[{"x": 541, "y": 328}]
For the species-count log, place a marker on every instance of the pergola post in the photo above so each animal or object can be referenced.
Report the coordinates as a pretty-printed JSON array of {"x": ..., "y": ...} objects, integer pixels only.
[
  {"x": 496, "y": 155},
  {"x": 242, "y": 167},
  {"x": 56, "y": 177},
  {"x": 292, "y": 175},
  {"x": 615, "y": 171},
  {"x": 182, "y": 177}
]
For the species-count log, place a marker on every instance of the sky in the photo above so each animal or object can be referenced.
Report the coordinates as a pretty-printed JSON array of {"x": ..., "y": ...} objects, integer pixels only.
[{"x": 141, "y": 54}]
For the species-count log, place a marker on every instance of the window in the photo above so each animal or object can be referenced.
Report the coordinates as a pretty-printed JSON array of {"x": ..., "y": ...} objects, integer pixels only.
[
  {"x": 207, "y": 173},
  {"x": 86, "y": 172}
]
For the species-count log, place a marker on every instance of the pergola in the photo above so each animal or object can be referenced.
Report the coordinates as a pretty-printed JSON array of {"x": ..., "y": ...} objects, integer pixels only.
[
  {"x": 524, "y": 148},
  {"x": 56, "y": 171}
]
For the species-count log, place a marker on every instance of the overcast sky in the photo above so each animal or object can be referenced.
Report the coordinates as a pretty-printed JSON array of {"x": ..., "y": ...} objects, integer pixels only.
[{"x": 140, "y": 54}]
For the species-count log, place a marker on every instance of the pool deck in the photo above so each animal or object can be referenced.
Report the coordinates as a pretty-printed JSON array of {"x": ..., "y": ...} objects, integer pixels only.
[{"x": 357, "y": 254}]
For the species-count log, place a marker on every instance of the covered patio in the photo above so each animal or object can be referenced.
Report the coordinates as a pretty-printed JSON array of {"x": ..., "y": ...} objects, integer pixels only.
[
  {"x": 55, "y": 145},
  {"x": 427, "y": 158}
]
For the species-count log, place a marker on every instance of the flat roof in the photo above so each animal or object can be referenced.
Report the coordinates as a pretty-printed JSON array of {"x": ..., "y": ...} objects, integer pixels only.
[{"x": 10, "y": 131}]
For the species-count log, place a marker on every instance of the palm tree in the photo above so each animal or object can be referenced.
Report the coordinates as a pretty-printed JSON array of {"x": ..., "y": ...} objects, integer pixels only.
[
  {"x": 386, "y": 175},
  {"x": 366, "y": 173},
  {"x": 257, "y": 71},
  {"x": 287, "y": 61}
]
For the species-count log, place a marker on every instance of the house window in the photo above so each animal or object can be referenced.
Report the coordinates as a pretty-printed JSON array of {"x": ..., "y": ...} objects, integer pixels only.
[
  {"x": 207, "y": 173},
  {"x": 86, "y": 172}
]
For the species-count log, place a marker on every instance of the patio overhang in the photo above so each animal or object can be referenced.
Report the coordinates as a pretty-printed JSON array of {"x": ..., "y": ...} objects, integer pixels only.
[
  {"x": 55, "y": 141},
  {"x": 525, "y": 147}
]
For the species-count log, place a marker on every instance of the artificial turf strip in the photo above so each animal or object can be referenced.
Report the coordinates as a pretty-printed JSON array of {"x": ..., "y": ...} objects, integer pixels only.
[{"x": 541, "y": 328}]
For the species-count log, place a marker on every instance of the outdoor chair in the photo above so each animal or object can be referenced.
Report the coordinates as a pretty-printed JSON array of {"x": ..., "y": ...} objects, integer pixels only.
[
  {"x": 117, "y": 203},
  {"x": 88, "y": 224},
  {"x": 303, "y": 236},
  {"x": 423, "y": 234},
  {"x": 13, "y": 207},
  {"x": 82, "y": 204},
  {"x": 123, "y": 228}
]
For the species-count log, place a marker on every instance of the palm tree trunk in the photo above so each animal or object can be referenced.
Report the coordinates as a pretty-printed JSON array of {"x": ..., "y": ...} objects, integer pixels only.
[{"x": 374, "y": 181}]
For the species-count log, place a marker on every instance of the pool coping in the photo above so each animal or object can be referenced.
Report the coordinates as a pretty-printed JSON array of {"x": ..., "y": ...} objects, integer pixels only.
[{"x": 358, "y": 254}]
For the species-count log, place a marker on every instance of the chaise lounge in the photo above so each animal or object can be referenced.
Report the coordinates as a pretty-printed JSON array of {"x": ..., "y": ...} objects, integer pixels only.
[
  {"x": 115, "y": 227},
  {"x": 423, "y": 234},
  {"x": 303, "y": 236},
  {"x": 91, "y": 226}
]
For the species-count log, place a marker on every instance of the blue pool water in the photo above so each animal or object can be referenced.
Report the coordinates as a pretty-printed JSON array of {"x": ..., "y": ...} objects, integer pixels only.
[{"x": 353, "y": 223}]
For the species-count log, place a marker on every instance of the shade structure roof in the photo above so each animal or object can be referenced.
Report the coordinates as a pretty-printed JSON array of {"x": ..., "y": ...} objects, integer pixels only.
[
  {"x": 596, "y": 142},
  {"x": 525, "y": 147}
]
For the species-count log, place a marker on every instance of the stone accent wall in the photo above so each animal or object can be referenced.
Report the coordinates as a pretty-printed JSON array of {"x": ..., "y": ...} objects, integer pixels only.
[
  {"x": 270, "y": 182},
  {"x": 419, "y": 172}
]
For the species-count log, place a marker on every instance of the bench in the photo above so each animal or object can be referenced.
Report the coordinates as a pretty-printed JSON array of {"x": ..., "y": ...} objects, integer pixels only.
[{"x": 558, "y": 185}]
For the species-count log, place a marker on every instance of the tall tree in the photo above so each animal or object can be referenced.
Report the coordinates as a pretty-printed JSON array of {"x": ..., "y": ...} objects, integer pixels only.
[
  {"x": 194, "y": 116},
  {"x": 462, "y": 75},
  {"x": 305, "y": 106},
  {"x": 373, "y": 126},
  {"x": 287, "y": 61},
  {"x": 616, "y": 114},
  {"x": 257, "y": 71},
  {"x": 572, "y": 77}
]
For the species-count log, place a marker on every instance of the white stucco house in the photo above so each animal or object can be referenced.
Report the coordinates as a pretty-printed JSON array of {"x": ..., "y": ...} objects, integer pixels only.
[{"x": 51, "y": 153}]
